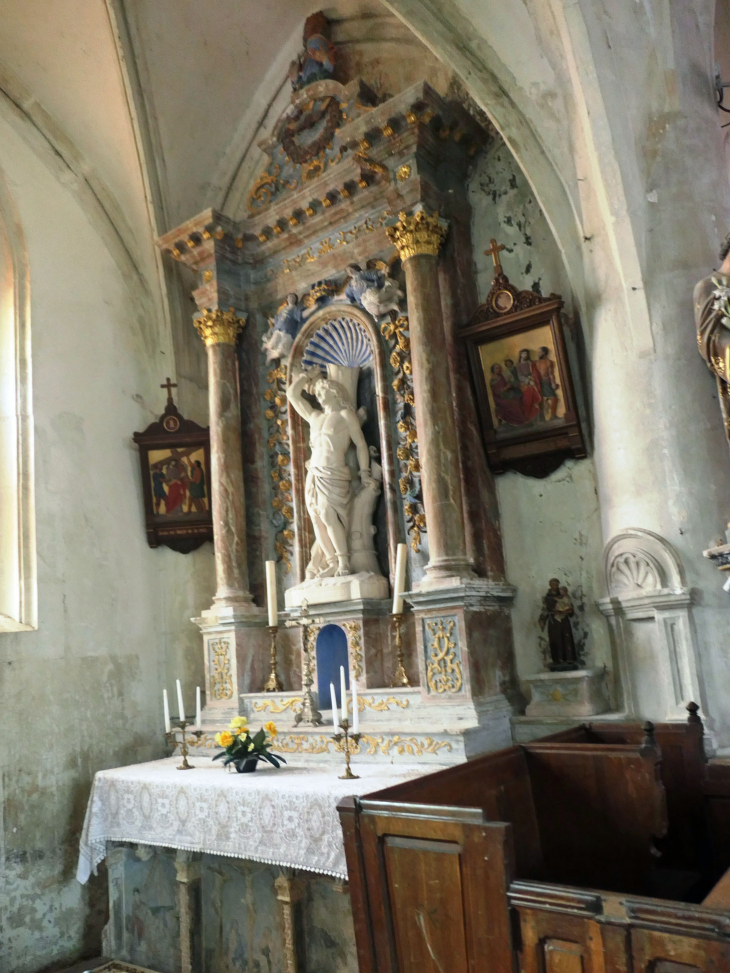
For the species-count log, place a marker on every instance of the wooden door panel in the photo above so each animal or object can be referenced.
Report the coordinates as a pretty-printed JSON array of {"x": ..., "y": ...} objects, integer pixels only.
[
  {"x": 426, "y": 893},
  {"x": 659, "y": 952},
  {"x": 559, "y": 956}
]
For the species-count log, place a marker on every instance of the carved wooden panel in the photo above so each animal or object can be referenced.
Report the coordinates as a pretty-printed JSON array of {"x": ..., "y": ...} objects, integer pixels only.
[
  {"x": 662, "y": 952},
  {"x": 559, "y": 956},
  {"x": 424, "y": 879}
]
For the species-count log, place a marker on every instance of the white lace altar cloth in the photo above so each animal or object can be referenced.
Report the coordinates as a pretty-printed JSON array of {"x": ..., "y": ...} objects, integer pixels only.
[{"x": 283, "y": 817}]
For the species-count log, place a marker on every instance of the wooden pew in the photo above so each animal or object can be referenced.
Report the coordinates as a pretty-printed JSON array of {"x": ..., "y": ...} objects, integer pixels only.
[{"x": 531, "y": 859}]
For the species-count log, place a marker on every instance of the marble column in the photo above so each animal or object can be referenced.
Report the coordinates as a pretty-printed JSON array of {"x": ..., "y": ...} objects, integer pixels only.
[
  {"x": 187, "y": 868},
  {"x": 418, "y": 239},
  {"x": 218, "y": 330}
]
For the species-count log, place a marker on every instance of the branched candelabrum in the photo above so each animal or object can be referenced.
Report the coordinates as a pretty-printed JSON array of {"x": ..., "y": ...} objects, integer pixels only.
[
  {"x": 172, "y": 739},
  {"x": 344, "y": 741},
  {"x": 309, "y": 712},
  {"x": 273, "y": 683},
  {"x": 400, "y": 676}
]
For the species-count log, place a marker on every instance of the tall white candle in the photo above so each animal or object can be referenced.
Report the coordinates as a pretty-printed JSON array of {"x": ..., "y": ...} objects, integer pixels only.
[
  {"x": 179, "y": 701},
  {"x": 335, "y": 714},
  {"x": 166, "y": 706},
  {"x": 355, "y": 706},
  {"x": 343, "y": 693},
  {"x": 271, "y": 593},
  {"x": 198, "y": 720},
  {"x": 400, "y": 579}
]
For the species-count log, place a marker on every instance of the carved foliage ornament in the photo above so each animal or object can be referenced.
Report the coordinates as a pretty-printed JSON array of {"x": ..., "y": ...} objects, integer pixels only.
[
  {"x": 217, "y": 327},
  {"x": 417, "y": 234},
  {"x": 221, "y": 678},
  {"x": 277, "y": 419},
  {"x": 398, "y": 338},
  {"x": 443, "y": 672}
]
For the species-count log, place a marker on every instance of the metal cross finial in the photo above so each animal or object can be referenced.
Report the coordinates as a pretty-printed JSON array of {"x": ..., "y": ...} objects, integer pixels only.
[
  {"x": 173, "y": 385},
  {"x": 494, "y": 252}
]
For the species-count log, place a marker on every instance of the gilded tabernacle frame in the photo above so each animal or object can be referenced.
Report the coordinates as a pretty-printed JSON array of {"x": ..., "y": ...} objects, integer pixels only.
[
  {"x": 522, "y": 381},
  {"x": 174, "y": 454}
]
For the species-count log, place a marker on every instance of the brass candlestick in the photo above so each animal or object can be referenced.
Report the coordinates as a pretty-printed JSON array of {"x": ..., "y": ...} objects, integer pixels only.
[
  {"x": 400, "y": 676},
  {"x": 273, "y": 683},
  {"x": 344, "y": 738},
  {"x": 309, "y": 712},
  {"x": 171, "y": 738}
]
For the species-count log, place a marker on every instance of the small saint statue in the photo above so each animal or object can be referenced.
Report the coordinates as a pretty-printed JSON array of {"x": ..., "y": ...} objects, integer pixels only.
[
  {"x": 328, "y": 488},
  {"x": 712, "y": 318},
  {"x": 372, "y": 290},
  {"x": 556, "y": 614}
]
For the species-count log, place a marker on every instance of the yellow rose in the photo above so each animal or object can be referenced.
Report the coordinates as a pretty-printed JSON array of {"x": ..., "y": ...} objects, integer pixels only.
[
  {"x": 238, "y": 722},
  {"x": 270, "y": 728},
  {"x": 224, "y": 739}
]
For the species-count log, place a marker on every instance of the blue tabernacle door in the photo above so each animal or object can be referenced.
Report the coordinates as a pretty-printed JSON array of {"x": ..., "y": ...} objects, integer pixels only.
[{"x": 331, "y": 654}]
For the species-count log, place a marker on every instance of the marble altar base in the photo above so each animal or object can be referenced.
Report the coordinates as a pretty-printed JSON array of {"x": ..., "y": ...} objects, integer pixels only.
[
  {"x": 396, "y": 726},
  {"x": 580, "y": 692}
]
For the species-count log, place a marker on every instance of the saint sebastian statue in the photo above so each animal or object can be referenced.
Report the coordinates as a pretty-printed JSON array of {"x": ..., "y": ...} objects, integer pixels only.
[
  {"x": 328, "y": 488},
  {"x": 712, "y": 317}
]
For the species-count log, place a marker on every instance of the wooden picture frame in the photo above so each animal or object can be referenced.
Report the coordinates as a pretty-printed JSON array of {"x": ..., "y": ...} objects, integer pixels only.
[
  {"x": 522, "y": 381},
  {"x": 174, "y": 455}
]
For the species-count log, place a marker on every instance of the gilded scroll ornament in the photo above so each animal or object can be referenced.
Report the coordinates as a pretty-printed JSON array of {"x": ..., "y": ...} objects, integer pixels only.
[
  {"x": 217, "y": 327},
  {"x": 381, "y": 705},
  {"x": 368, "y": 745},
  {"x": 278, "y": 705},
  {"x": 444, "y": 669},
  {"x": 221, "y": 678},
  {"x": 417, "y": 234},
  {"x": 277, "y": 418},
  {"x": 399, "y": 344},
  {"x": 354, "y": 641}
]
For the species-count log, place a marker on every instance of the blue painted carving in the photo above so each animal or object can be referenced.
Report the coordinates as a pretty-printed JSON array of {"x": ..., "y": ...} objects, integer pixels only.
[
  {"x": 341, "y": 341},
  {"x": 331, "y": 652}
]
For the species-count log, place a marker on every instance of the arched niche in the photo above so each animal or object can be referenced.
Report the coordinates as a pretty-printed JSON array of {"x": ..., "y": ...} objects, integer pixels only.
[
  {"x": 331, "y": 652},
  {"x": 298, "y": 432}
]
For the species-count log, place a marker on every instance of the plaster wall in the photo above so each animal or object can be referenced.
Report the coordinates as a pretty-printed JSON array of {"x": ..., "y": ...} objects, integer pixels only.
[
  {"x": 83, "y": 691},
  {"x": 550, "y": 527}
]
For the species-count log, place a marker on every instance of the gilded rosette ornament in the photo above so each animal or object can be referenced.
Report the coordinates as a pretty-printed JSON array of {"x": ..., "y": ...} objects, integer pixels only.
[
  {"x": 417, "y": 234},
  {"x": 219, "y": 327}
]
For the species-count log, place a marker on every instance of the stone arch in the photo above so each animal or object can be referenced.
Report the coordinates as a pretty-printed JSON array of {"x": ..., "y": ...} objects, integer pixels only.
[
  {"x": 639, "y": 561},
  {"x": 304, "y": 536},
  {"x": 18, "y": 599}
]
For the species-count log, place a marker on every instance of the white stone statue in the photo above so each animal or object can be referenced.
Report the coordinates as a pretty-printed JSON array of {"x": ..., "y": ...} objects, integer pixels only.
[{"x": 329, "y": 490}]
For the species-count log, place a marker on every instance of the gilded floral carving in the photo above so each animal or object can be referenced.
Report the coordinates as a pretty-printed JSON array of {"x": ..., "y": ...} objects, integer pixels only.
[
  {"x": 221, "y": 677},
  {"x": 397, "y": 336},
  {"x": 443, "y": 672},
  {"x": 277, "y": 419}
]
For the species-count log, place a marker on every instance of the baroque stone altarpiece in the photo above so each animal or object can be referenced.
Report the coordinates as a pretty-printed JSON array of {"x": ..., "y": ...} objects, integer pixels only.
[{"x": 349, "y": 395}]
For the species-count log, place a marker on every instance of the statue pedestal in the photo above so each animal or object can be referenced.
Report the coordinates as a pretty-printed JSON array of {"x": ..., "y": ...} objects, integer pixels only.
[
  {"x": 580, "y": 692},
  {"x": 353, "y": 587}
]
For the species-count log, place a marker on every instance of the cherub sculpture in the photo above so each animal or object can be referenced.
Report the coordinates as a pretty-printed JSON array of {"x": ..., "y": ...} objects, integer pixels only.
[{"x": 372, "y": 290}]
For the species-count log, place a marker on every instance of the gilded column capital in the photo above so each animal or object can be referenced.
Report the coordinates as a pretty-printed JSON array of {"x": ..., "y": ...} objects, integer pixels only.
[
  {"x": 217, "y": 327},
  {"x": 417, "y": 234}
]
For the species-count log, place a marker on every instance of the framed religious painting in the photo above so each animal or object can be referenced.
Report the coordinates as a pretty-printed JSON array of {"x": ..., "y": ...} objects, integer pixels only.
[
  {"x": 522, "y": 381},
  {"x": 174, "y": 455}
]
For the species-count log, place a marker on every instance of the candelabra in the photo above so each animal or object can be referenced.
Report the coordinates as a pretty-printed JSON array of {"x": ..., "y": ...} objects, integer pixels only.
[
  {"x": 273, "y": 683},
  {"x": 184, "y": 750},
  {"x": 343, "y": 743},
  {"x": 400, "y": 676},
  {"x": 309, "y": 712}
]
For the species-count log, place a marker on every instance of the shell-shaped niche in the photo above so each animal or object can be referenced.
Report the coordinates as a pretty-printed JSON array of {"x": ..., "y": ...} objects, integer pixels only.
[{"x": 340, "y": 341}]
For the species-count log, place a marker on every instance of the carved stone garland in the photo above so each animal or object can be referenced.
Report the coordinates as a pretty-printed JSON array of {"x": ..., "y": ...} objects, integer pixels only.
[
  {"x": 396, "y": 334},
  {"x": 280, "y": 463}
]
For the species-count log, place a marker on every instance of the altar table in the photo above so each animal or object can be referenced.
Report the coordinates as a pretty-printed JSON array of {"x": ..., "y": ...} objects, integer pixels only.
[{"x": 284, "y": 817}]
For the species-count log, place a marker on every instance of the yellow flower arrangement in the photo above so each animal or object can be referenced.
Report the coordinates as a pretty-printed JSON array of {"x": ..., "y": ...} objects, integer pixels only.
[{"x": 243, "y": 748}]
